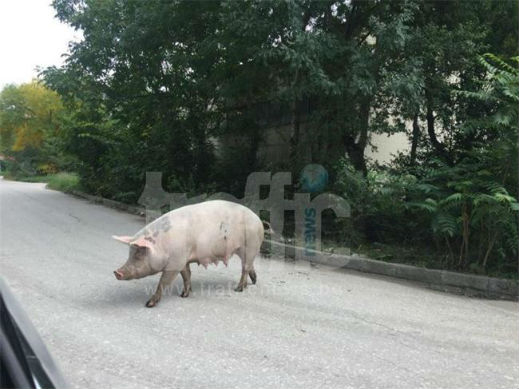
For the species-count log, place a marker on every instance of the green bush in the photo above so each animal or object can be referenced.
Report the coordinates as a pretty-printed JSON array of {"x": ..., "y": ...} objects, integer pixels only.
[
  {"x": 457, "y": 218},
  {"x": 64, "y": 182}
]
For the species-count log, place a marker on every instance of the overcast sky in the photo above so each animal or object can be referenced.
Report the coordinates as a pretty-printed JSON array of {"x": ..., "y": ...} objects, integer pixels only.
[{"x": 30, "y": 36}]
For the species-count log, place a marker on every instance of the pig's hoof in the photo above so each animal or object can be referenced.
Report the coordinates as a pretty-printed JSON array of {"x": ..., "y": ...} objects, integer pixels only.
[
  {"x": 185, "y": 292},
  {"x": 253, "y": 277},
  {"x": 239, "y": 288},
  {"x": 151, "y": 303}
]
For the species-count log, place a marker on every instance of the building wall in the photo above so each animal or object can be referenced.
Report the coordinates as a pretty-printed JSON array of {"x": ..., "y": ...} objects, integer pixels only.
[
  {"x": 387, "y": 147},
  {"x": 276, "y": 145},
  {"x": 275, "y": 122}
]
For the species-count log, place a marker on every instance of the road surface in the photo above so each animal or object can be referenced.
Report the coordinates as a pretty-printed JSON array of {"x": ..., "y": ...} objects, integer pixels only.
[{"x": 299, "y": 327}]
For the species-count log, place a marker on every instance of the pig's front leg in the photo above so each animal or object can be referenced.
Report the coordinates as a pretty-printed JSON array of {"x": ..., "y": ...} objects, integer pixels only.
[
  {"x": 186, "y": 277},
  {"x": 165, "y": 280}
]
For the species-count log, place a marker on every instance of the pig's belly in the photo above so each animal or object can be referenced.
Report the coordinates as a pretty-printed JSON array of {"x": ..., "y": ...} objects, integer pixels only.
[
  {"x": 213, "y": 250},
  {"x": 206, "y": 261}
]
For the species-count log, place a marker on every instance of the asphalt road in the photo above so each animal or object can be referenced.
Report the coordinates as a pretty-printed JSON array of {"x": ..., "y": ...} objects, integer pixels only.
[{"x": 299, "y": 327}]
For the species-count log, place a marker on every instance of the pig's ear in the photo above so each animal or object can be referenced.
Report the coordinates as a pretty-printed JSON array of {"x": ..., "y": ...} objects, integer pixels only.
[
  {"x": 124, "y": 239},
  {"x": 142, "y": 242}
]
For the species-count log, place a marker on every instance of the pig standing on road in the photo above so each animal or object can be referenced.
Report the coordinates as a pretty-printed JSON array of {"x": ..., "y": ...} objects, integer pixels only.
[{"x": 205, "y": 233}]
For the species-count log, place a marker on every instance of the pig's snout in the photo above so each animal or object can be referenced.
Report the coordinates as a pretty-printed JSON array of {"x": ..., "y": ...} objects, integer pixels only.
[{"x": 118, "y": 274}]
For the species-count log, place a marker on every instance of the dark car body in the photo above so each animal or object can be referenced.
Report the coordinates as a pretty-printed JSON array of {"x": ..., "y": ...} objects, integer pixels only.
[{"x": 24, "y": 360}]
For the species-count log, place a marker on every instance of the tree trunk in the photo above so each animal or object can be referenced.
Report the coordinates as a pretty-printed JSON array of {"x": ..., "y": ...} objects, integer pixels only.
[
  {"x": 437, "y": 145},
  {"x": 356, "y": 155},
  {"x": 415, "y": 139},
  {"x": 464, "y": 249},
  {"x": 254, "y": 141},
  {"x": 451, "y": 253},
  {"x": 355, "y": 150},
  {"x": 296, "y": 134},
  {"x": 489, "y": 250}
]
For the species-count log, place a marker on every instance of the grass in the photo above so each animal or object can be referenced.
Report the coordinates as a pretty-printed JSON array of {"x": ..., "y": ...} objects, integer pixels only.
[
  {"x": 63, "y": 181},
  {"x": 27, "y": 178}
]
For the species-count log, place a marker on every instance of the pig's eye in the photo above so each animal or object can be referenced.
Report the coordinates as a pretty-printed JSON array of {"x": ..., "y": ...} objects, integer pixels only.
[
  {"x": 137, "y": 250},
  {"x": 140, "y": 253}
]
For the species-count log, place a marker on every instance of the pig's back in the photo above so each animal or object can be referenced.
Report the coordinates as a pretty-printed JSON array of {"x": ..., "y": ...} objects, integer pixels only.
[
  {"x": 218, "y": 227},
  {"x": 208, "y": 213},
  {"x": 213, "y": 213},
  {"x": 216, "y": 211}
]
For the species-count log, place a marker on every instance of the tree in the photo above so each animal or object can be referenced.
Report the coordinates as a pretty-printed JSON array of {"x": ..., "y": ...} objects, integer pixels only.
[
  {"x": 474, "y": 203},
  {"x": 29, "y": 123},
  {"x": 441, "y": 59}
]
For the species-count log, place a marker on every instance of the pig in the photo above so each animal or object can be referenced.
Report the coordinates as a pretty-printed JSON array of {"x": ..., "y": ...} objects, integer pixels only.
[{"x": 201, "y": 233}]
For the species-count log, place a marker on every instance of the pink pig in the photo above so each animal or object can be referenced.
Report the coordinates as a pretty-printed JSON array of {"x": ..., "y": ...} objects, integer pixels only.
[{"x": 205, "y": 233}]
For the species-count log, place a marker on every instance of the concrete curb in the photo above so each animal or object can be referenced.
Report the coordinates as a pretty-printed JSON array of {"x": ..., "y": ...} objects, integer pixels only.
[
  {"x": 110, "y": 203},
  {"x": 443, "y": 280}
]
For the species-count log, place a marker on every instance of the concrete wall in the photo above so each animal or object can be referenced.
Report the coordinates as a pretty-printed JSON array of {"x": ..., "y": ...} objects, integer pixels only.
[
  {"x": 387, "y": 146},
  {"x": 275, "y": 122},
  {"x": 276, "y": 145}
]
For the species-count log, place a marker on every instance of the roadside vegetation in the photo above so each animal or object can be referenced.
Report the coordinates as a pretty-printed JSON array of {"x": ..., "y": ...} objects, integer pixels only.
[
  {"x": 63, "y": 181},
  {"x": 163, "y": 86}
]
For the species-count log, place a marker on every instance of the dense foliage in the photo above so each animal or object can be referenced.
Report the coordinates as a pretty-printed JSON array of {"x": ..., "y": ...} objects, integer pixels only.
[
  {"x": 190, "y": 89},
  {"x": 30, "y": 122}
]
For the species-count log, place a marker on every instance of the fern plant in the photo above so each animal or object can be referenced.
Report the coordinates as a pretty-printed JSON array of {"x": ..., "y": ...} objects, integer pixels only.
[
  {"x": 469, "y": 212},
  {"x": 473, "y": 204}
]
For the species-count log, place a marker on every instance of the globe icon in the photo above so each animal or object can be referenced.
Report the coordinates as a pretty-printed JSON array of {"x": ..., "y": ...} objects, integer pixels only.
[{"x": 314, "y": 178}]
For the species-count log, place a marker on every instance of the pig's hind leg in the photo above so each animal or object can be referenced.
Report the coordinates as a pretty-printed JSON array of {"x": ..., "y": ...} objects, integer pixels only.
[
  {"x": 253, "y": 276},
  {"x": 247, "y": 256},
  {"x": 186, "y": 277},
  {"x": 243, "y": 281},
  {"x": 166, "y": 279}
]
